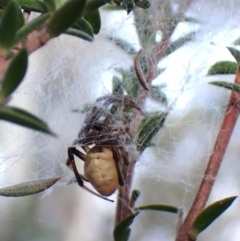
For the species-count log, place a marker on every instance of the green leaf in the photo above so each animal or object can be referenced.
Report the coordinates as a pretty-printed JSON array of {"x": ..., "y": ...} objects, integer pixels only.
[
  {"x": 226, "y": 85},
  {"x": 179, "y": 43},
  {"x": 135, "y": 195},
  {"x": 94, "y": 5},
  {"x": 33, "y": 5},
  {"x": 130, "y": 82},
  {"x": 15, "y": 73},
  {"x": 158, "y": 207},
  {"x": 223, "y": 67},
  {"x": 122, "y": 230},
  {"x": 28, "y": 188},
  {"x": 24, "y": 118},
  {"x": 190, "y": 19},
  {"x": 79, "y": 34},
  {"x": 30, "y": 26},
  {"x": 237, "y": 41},
  {"x": 142, "y": 3},
  {"x": 84, "y": 26},
  {"x": 85, "y": 109},
  {"x": 124, "y": 45},
  {"x": 50, "y": 5},
  {"x": 208, "y": 215},
  {"x": 64, "y": 17},
  {"x": 117, "y": 87},
  {"x": 4, "y": 3},
  {"x": 235, "y": 53},
  {"x": 148, "y": 128},
  {"x": 94, "y": 19},
  {"x": 12, "y": 20},
  {"x": 158, "y": 95}
]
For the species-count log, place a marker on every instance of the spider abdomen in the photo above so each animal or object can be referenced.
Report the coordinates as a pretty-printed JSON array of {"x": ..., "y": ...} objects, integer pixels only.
[{"x": 100, "y": 170}]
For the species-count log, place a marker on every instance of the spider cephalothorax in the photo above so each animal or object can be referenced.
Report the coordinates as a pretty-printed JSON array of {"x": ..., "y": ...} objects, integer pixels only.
[{"x": 103, "y": 138}]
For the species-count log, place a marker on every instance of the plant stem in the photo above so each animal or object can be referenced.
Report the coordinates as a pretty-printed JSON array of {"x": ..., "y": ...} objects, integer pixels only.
[
  {"x": 226, "y": 130},
  {"x": 124, "y": 205}
]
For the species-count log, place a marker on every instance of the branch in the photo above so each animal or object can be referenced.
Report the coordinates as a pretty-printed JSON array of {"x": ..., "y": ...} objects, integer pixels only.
[{"x": 226, "y": 130}]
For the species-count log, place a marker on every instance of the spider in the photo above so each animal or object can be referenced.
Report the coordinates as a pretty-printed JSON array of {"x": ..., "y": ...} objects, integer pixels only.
[{"x": 103, "y": 139}]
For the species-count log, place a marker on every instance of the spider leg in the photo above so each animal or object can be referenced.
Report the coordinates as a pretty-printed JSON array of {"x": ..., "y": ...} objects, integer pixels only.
[
  {"x": 109, "y": 99},
  {"x": 71, "y": 162},
  {"x": 79, "y": 177},
  {"x": 100, "y": 139},
  {"x": 91, "y": 119},
  {"x": 124, "y": 156},
  {"x": 117, "y": 158}
]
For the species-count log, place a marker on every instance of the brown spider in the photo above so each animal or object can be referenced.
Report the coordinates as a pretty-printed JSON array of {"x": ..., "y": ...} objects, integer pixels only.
[{"x": 103, "y": 139}]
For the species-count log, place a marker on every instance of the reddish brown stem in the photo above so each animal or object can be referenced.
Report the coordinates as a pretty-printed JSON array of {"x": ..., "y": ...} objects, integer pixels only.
[
  {"x": 229, "y": 121},
  {"x": 124, "y": 205}
]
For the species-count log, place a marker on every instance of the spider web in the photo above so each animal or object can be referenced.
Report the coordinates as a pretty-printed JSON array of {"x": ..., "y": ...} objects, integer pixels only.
[{"x": 69, "y": 73}]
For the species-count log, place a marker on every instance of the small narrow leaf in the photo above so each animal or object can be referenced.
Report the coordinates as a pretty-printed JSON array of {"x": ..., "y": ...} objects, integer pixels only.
[
  {"x": 84, "y": 26},
  {"x": 142, "y": 3},
  {"x": 11, "y": 21},
  {"x": 237, "y": 41},
  {"x": 158, "y": 207},
  {"x": 85, "y": 109},
  {"x": 208, "y": 215},
  {"x": 190, "y": 19},
  {"x": 122, "y": 230},
  {"x": 158, "y": 95},
  {"x": 64, "y": 17},
  {"x": 79, "y": 34},
  {"x": 223, "y": 67},
  {"x": 148, "y": 128},
  {"x": 50, "y": 5},
  {"x": 15, "y": 73},
  {"x": 130, "y": 82},
  {"x": 94, "y": 19},
  {"x": 24, "y": 118},
  {"x": 177, "y": 44},
  {"x": 93, "y": 5},
  {"x": 33, "y": 5},
  {"x": 226, "y": 85},
  {"x": 124, "y": 45},
  {"x": 235, "y": 53},
  {"x": 30, "y": 26},
  {"x": 28, "y": 188},
  {"x": 117, "y": 87},
  {"x": 135, "y": 195}
]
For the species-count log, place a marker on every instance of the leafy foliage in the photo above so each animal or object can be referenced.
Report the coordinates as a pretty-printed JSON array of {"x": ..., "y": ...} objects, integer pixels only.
[
  {"x": 11, "y": 21},
  {"x": 148, "y": 128},
  {"x": 70, "y": 12},
  {"x": 82, "y": 19},
  {"x": 14, "y": 74},
  {"x": 122, "y": 230},
  {"x": 208, "y": 215},
  {"x": 130, "y": 4},
  {"x": 223, "y": 67},
  {"x": 23, "y": 118},
  {"x": 227, "y": 85},
  {"x": 74, "y": 17},
  {"x": 235, "y": 53},
  {"x": 158, "y": 207},
  {"x": 28, "y": 188}
]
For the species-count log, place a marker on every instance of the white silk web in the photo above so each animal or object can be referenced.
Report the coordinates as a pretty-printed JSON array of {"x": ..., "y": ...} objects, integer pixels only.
[{"x": 69, "y": 73}]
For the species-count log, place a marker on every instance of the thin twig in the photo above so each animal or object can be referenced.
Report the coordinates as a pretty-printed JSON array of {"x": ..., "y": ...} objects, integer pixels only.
[{"x": 226, "y": 130}]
